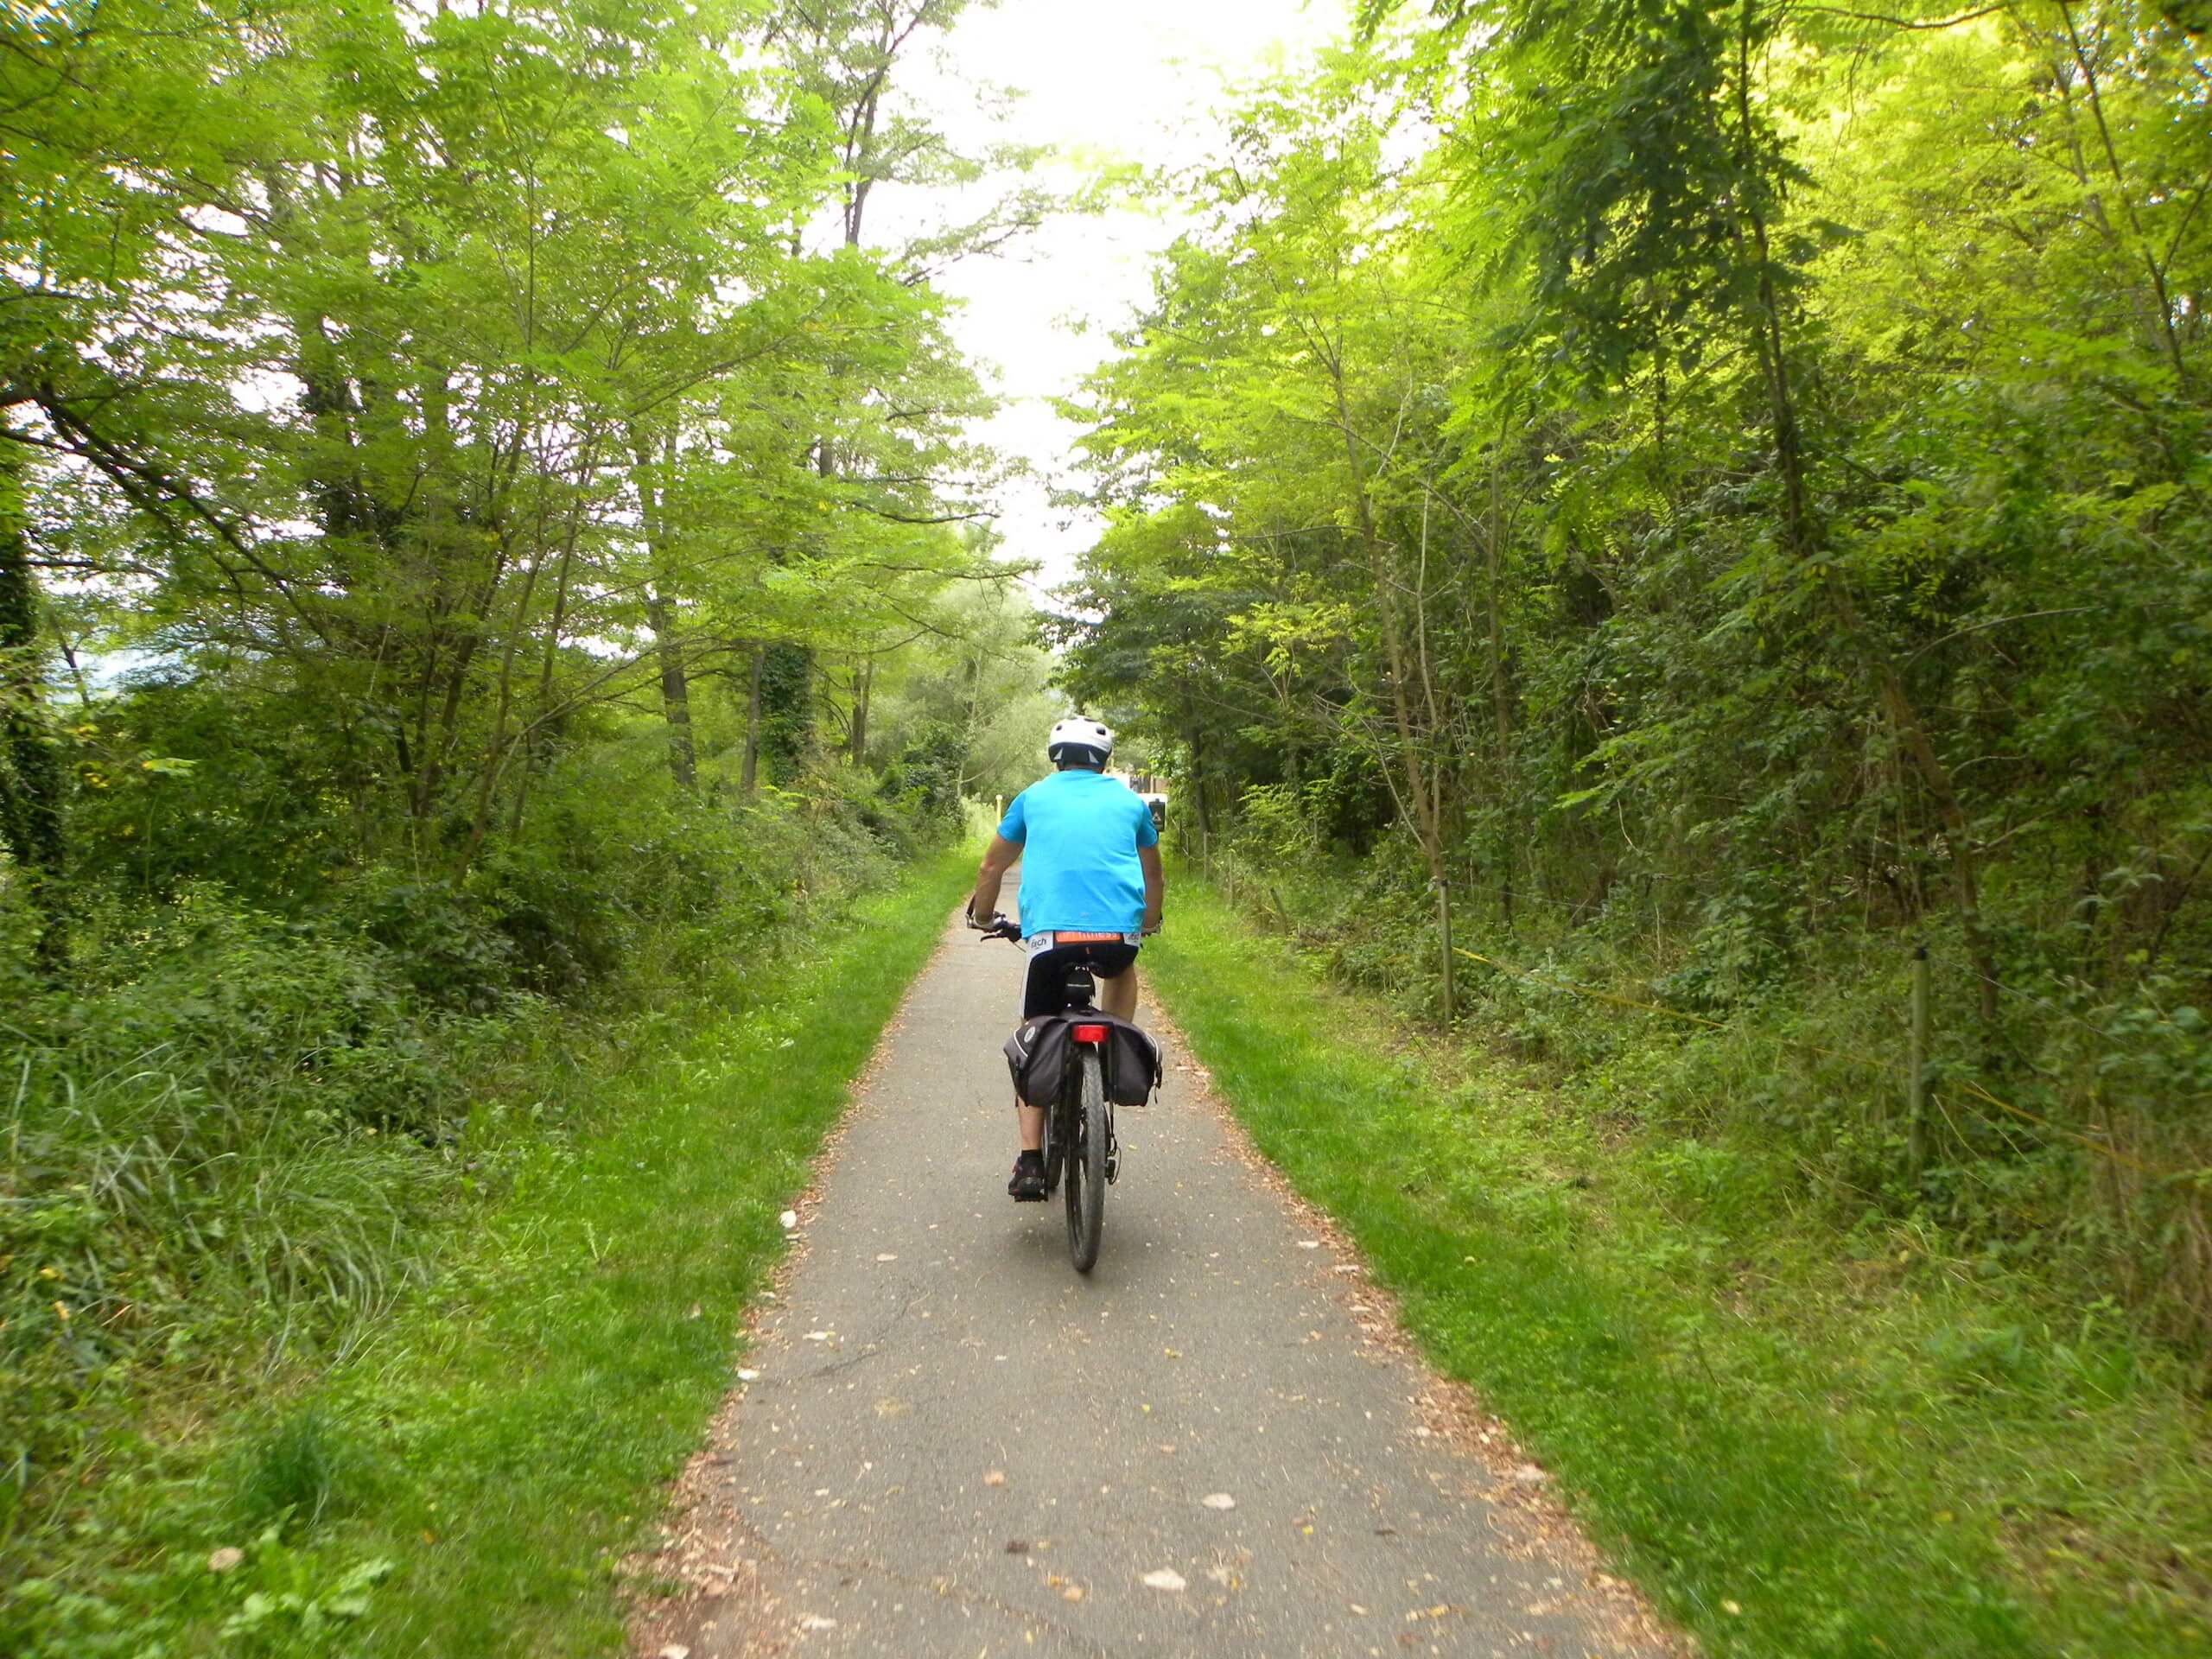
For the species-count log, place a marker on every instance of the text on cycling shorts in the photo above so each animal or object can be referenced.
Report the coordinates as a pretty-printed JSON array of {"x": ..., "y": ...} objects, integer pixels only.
[{"x": 1054, "y": 953}]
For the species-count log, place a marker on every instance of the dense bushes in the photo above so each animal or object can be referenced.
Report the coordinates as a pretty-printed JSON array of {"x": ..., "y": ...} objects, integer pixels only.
[
  {"x": 222, "y": 1136},
  {"x": 1692, "y": 1022},
  {"x": 1718, "y": 491}
]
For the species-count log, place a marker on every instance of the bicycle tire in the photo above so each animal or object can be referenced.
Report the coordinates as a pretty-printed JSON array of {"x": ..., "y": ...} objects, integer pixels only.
[
  {"x": 1055, "y": 1149},
  {"x": 1086, "y": 1166}
]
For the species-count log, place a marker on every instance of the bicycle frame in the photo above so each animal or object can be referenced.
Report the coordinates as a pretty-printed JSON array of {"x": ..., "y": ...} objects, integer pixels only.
[
  {"x": 1079, "y": 1140},
  {"x": 1062, "y": 1124}
]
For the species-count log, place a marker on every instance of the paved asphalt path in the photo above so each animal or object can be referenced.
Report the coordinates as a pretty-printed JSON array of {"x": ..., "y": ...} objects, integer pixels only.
[{"x": 952, "y": 1444}]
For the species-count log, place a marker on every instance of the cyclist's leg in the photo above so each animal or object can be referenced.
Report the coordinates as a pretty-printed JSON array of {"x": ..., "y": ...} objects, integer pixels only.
[
  {"x": 1046, "y": 987},
  {"x": 1042, "y": 990},
  {"x": 1117, "y": 993}
]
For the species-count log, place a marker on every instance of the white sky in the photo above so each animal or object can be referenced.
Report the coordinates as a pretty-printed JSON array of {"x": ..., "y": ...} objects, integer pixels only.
[{"x": 1137, "y": 80}]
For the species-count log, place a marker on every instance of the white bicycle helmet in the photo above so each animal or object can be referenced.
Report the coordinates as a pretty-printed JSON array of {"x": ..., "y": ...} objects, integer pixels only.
[{"x": 1086, "y": 739}]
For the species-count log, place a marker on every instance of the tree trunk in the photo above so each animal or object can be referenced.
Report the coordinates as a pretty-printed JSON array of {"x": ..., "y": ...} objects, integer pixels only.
[
  {"x": 863, "y": 687},
  {"x": 1422, "y": 784},
  {"x": 660, "y": 616},
  {"x": 786, "y": 709},
  {"x": 674, "y": 690},
  {"x": 749, "y": 779},
  {"x": 437, "y": 750},
  {"x": 974, "y": 670},
  {"x": 1194, "y": 734},
  {"x": 1501, "y": 690},
  {"x": 496, "y": 751},
  {"x": 1802, "y": 541},
  {"x": 535, "y": 733},
  {"x": 32, "y": 778}
]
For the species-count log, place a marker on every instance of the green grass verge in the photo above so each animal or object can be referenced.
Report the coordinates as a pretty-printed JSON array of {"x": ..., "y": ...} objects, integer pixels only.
[
  {"x": 466, "y": 1481},
  {"x": 1800, "y": 1444}
]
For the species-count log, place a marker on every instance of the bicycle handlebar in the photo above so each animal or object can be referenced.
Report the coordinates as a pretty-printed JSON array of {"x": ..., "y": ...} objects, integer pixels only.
[{"x": 1005, "y": 927}]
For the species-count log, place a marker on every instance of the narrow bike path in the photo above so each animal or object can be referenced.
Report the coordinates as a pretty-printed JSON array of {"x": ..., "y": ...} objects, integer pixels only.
[{"x": 951, "y": 1444}]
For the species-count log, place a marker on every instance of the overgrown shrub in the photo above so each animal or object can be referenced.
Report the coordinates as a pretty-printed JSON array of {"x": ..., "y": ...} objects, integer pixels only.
[
  {"x": 218, "y": 1146},
  {"x": 2068, "y": 1142},
  {"x": 218, "y": 1142}
]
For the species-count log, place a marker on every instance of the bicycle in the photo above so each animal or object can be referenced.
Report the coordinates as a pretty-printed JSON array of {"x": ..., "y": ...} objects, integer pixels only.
[{"x": 1079, "y": 1139}]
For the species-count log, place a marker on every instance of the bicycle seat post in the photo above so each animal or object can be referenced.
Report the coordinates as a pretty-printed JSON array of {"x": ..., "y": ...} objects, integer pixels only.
[{"x": 1080, "y": 990}]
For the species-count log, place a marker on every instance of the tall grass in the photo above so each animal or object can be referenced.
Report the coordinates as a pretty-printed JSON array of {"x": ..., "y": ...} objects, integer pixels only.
[
  {"x": 2072, "y": 1135},
  {"x": 184, "y": 1196},
  {"x": 421, "y": 1384},
  {"x": 1810, "y": 1424},
  {"x": 239, "y": 1139}
]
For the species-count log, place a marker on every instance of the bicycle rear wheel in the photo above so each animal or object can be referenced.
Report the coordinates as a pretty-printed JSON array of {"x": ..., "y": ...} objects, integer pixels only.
[{"x": 1086, "y": 1166}]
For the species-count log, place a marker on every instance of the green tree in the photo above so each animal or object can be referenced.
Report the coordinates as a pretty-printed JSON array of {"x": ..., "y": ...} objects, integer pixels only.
[{"x": 1729, "y": 471}]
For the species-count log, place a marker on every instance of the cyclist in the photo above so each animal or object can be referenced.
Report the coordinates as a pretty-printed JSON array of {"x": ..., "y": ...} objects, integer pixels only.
[{"x": 1091, "y": 888}]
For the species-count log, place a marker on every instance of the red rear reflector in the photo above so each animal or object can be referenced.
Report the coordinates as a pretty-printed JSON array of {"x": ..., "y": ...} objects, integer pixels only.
[{"x": 1090, "y": 1033}]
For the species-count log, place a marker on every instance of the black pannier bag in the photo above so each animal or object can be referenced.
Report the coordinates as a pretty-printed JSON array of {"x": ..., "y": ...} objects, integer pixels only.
[
  {"x": 1037, "y": 1058},
  {"x": 1134, "y": 1067},
  {"x": 1040, "y": 1051}
]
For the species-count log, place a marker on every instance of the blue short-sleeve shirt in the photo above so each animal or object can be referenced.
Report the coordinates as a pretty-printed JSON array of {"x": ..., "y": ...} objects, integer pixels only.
[{"x": 1079, "y": 832}]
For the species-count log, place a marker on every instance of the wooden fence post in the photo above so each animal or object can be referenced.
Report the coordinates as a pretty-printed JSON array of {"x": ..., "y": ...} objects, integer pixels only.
[
  {"x": 1916, "y": 1081},
  {"x": 1443, "y": 925}
]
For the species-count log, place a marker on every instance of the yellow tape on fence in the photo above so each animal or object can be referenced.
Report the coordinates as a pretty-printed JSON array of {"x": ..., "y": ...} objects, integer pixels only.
[{"x": 2101, "y": 1149}]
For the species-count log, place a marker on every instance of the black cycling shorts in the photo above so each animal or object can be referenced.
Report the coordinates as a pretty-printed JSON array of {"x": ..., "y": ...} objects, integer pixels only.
[{"x": 1045, "y": 991}]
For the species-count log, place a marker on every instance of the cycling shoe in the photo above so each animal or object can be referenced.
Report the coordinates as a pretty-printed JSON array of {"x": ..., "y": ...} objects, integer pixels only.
[{"x": 1028, "y": 1186}]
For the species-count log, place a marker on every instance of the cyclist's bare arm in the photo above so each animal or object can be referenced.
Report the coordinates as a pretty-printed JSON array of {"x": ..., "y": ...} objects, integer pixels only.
[
  {"x": 1118, "y": 995},
  {"x": 998, "y": 858}
]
